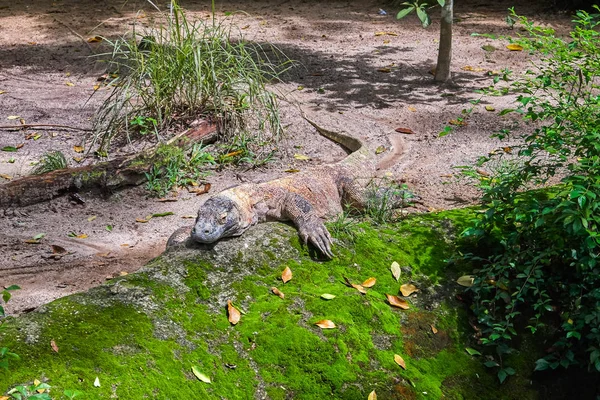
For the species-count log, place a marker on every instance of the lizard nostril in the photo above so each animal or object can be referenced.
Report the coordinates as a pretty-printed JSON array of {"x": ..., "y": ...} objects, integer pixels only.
[{"x": 207, "y": 231}]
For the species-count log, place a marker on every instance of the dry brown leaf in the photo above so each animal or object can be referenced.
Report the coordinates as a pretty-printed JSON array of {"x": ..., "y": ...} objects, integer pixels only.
[
  {"x": 400, "y": 361},
  {"x": 457, "y": 122},
  {"x": 20, "y": 145},
  {"x": 7, "y": 177},
  {"x": 360, "y": 288},
  {"x": 397, "y": 302},
  {"x": 56, "y": 249},
  {"x": 514, "y": 47},
  {"x": 78, "y": 149},
  {"x": 234, "y": 313},
  {"x": 277, "y": 292},
  {"x": 325, "y": 324},
  {"x": 386, "y": 70},
  {"x": 54, "y": 346},
  {"x": 433, "y": 329},
  {"x": 286, "y": 275},
  {"x": 482, "y": 172},
  {"x": 200, "y": 190},
  {"x": 372, "y": 396},
  {"x": 407, "y": 289},
  {"x": 405, "y": 130},
  {"x": 292, "y": 170},
  {"x": 94, "y": 39},
  {"x": 369, "y": 282},
  {"x": 388, "y": 33}
]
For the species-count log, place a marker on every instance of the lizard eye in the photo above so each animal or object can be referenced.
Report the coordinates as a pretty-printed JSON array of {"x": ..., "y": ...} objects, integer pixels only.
[{"x": 222, "y": 218}]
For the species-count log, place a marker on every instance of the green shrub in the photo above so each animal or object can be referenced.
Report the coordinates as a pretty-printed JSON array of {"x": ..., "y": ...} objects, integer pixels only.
[
  {"x": 183, "y": 70},
  {"x": 537, "y": 259}
]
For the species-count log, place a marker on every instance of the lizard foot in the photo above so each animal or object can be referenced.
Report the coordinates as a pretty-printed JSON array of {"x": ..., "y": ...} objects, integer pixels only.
[{"x": 314, "y": 230}]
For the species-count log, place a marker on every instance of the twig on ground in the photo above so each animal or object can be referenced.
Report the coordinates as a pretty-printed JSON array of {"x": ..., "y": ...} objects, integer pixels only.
[{"x": 44, "y": 126}]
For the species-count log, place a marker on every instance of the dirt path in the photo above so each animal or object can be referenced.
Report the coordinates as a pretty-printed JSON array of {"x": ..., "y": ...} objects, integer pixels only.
[{"x": 47, "y": 77}]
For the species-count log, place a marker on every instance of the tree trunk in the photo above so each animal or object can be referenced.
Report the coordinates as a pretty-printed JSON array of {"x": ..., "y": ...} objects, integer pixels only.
[
  {"x": 442, "y": 71},
  {"x": 113, "y": 174}
]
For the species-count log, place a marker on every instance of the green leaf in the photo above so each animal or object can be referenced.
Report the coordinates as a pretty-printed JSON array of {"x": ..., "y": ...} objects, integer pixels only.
[
  {"x": 200, "y": 375},
  {"x": 491, "y": 364},
  {"x": 541, "y": 365},
  {"x": 13, "y": 287},
  {"x": 424, "y": 17},
  {"x": 405, "y": 12},
  {"x": 472, "y": 351},
  {"x": 506, "y": 111},
  {"x": 9, "y": 148},
  {"x": 447, "y": 130},
  {"x": 441, "y": 2},
  {"x": 162, "y": 214},
  {"x": 109, "y": 228},
  {"x": 502, "y": 375},
  {"x": 328, "y": 296},
  {"x": 39, "y": 236}
]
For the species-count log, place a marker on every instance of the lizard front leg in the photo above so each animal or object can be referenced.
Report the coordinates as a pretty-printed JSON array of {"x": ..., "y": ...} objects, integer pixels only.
[{"x": 310, "y": 227}]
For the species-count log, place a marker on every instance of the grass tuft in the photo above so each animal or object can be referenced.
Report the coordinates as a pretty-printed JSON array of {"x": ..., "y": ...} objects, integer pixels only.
[{"x": 50, "y": 161}]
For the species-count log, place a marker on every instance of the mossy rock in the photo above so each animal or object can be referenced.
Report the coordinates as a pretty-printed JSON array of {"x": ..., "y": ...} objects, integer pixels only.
[{"x": 141, "y": 334}]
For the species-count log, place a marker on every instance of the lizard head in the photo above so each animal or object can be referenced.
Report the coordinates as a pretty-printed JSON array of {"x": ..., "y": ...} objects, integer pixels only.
[{"x": 218, "y": 217}]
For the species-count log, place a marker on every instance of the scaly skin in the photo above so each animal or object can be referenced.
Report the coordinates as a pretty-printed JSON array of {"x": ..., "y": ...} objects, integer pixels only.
[{"x": 305, "y": 198}]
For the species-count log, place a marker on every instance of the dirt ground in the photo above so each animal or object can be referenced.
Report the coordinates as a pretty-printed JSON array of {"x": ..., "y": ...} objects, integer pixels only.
[{"x": 347, "y": 76}]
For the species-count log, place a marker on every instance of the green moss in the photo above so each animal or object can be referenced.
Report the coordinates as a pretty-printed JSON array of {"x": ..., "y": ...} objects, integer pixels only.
[{"x": 141, "y": 334}]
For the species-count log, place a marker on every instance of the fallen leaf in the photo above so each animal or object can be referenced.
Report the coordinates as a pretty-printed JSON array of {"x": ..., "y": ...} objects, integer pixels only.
[
  {"x": 32, "y": 241},
  {"x": 234, "y": 313},
  {"x": 201, "y": 190},
  {"x": 488, "y": 47},
  {"x": 385, "y": 70},
  {"x": 78, "y": 149},
  {"x": 165, "y": 214},
  {"x": 360, "y": 288},
  {"x": 490, "y": 108},
  {"x": 411, "y": 109},
  {"x": 372, "y": 396},
  {"x": 97, "y": 382},
  {"x": 482, "y": 172},
  {"x": 36, "y": 136},
  {"x": 123, "y": 273},
  {"x": 2, "y": 91},
  {"x": 400, "y": 361},
  {"x": 407, "y": 289},
  {"x": 396, "y": 271},
  {"x": 286, "y": 275},
  {"x": 466, "y": 280},
  {"x": 369, "y": 282},
  {"x": 94, "y": 39},
  {"x": 301, "y": 157},
  {"x": 82, "y": 236},
  {"x": 39, "y": 236},
  {"x": 386, "y": 41},
  {"x": 11, "y": 117},
  {"x": 397, "y": 302},
  {"x": 405, "y": 130},
  {"x": 474, "y": 69},
  {"x": 292, "y": 170},
  {"x": 200, "y": 375},
  {"x": 69, "y": 83},
  {"x": 388, "y": 33},
  {"x": 514, "y": 47},
  {"x": 141, "y": 220},
  {"x": 458, "y": 122},
  {"x": 380, "y": 150},
  {"x": 325, "y": 324},
  {"x": 20, "y": 145},
  {"x": 9, "y": 148},
  {"x": 188, "y": 216},
  {"x": 7, "y": 177},
  {"x": 328, "y": 296},
  {"x": 56, "y": 249},
  {"x": 96, "y": 86},
  {"x": 54, "y": 346},
  {"x": 300, "y": 87},
  {"x": 91, "y": 218},
  {"x": 434, "y": 329},
  {"x": 233, "y": 154},
  {"x": 277, "y": 292},
  {"x": 78, "y": 159}
]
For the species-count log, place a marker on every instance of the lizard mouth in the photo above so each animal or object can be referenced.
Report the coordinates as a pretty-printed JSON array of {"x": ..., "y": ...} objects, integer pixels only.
[{"x": 217, "y": 218}]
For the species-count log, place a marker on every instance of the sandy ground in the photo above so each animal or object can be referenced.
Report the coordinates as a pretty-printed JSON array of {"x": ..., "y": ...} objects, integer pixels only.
[{"x": 47, "y": 77}]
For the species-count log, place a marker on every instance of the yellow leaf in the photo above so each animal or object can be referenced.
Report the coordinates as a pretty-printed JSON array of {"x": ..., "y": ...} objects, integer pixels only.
[
  {"x": 141, "y": 220},
  {"x": 234, "y": 314},
  {"x": 292, "y": 170},
  {"x": 300, "y": 87},
  {"x": 286, "y": 275},
  {"x": 277, "y": 292},
  {"x": 325, "y": 324},
  {"x": 372, "y": 396},
  {"x": 507, "y": 150},
  {"x": 2, "y": 92},
  {"x": 397, "y": 302},
  {"x": 407, "y": 289},
  {"x": 369, "y": 282},
  {"x": 386, "y": 70},
  {"x": 78, "y": 149},
  {"x": 94, "y": 39},
  {"x": 69, "y": 83},
  {"x": 490, "y": 108},
  {"x": 400, "y": 361},
  {"x": 96, "y": 86},
  {"x": 8, "y": 178},
  {"x": 514, "y": 47},
  {"x": 380, "y": 150},
  {"x": 388, "y": 33},
  {"x": 123, "y": 273},
  {"x": 82, "y": 236},
  {"x": 387, "y": 41},
  {"x": 90, "y": 219},
  {"x": 470, "y": 68},
  {"x": 13, "y": 117},
  {"x": 411, "y": 109},
  {"x": 301, "y": 157},
  {"x": 78, "y": 159},
  {"x": 433, "y": 329},
  {"x": 458, "y": 122}
]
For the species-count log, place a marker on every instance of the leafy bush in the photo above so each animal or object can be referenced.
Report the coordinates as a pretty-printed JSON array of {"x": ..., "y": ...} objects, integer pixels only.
[
  {"x": 537, "y": 258},
  {"x": 183, "y": 70}
]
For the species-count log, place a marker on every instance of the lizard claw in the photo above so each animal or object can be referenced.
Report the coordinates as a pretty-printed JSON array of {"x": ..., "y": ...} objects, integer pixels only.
[{"x": 315, "y": 231}]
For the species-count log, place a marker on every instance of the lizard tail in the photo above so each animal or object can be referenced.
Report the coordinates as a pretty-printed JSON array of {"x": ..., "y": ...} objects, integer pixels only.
[{"x": 351, "y": 143}]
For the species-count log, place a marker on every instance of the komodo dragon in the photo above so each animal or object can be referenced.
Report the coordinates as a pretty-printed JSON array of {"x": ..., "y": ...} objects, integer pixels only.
[{"x": 303, "y": 198}]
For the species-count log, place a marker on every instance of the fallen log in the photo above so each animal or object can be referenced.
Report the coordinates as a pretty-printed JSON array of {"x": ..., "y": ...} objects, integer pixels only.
[{"x": 113, "y": 174}]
